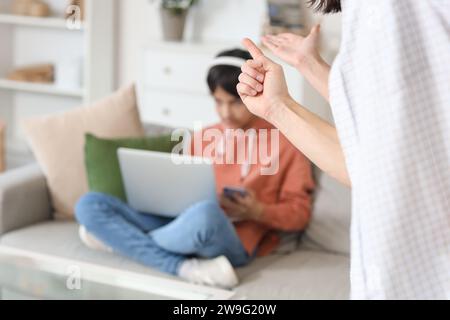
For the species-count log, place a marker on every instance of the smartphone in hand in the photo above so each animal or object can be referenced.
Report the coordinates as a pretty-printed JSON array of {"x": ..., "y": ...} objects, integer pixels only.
[{"x": 230, "y": 193}]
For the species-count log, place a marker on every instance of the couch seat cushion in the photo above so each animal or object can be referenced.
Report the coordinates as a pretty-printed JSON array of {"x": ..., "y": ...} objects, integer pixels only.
[{"x": 304, "y": 274}]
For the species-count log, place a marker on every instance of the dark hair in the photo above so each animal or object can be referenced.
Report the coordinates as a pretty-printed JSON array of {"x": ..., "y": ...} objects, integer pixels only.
[
  {"x": 227, "y": 77},
  {"x": 326, "y": 6}
]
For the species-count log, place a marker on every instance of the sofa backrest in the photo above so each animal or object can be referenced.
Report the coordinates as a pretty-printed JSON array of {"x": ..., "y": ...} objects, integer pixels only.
[{"x": 329, "y": 229}]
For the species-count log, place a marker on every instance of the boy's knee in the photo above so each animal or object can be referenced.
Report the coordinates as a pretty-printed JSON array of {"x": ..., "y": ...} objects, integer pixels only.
[
  {"x": 88, "y": 206},
  {"x": 208, "y": 213}
]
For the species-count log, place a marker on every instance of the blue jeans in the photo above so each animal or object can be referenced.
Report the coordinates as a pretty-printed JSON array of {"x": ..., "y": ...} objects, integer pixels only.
[{"x": 202, "y": 230}]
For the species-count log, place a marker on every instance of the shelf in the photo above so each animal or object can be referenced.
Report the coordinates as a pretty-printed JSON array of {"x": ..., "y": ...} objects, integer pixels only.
[
  {"x": 40, "y": 88},
  {"x": 49, "y": 22}
]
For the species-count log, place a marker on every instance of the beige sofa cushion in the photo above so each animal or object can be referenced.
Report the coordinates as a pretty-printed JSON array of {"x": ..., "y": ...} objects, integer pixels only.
[{"x": 58, "y": 143}]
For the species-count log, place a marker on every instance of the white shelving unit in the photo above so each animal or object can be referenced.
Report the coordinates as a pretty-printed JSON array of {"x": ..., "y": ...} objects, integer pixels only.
[
  {"x": 29, "y": 40},
  {"x": 49, "y": 22},
  {"x": 40, "y": 88}
]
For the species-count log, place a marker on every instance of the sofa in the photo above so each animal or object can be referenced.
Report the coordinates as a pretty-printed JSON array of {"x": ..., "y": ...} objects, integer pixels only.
[{"x": 316, "y": 267}]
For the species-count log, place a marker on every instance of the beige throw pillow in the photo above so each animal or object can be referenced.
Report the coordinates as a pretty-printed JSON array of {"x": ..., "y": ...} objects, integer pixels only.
[{"x": 58, "y": 143}]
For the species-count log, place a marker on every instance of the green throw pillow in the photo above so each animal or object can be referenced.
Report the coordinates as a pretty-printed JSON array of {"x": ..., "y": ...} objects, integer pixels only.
[{"x": 102, "y": 163}]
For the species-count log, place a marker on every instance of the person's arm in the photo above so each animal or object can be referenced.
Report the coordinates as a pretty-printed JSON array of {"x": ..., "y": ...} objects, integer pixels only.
[
  {"x": 317, "y": 72},
  {"x": 315, "y": 137}
]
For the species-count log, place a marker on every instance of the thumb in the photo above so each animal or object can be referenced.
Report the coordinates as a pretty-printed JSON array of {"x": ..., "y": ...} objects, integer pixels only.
[
  {"x": 315, "y": 31},
  {"x": 257, "y": 54},
  {"x": 251, "y": 193}
]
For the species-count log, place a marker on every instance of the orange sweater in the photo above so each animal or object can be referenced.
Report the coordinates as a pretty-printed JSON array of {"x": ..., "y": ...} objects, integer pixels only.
[{"x": 286, "y": 195}]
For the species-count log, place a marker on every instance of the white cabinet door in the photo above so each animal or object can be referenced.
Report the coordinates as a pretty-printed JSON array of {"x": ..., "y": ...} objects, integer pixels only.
[
  {"x": 177, "y": 71},
  {"x": 178, "y": 110}
]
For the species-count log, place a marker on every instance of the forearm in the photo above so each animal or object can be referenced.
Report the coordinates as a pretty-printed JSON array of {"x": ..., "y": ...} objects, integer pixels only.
[
  {"x": 317, "y": 72},
  {"x": 316, "y": 138}
]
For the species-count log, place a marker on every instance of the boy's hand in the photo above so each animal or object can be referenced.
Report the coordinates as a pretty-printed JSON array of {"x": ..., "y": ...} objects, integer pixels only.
[
  {"x": 262, "y": 84},
  {"x": 242, "y": 208},
  {"x": 294, "y": 49}
]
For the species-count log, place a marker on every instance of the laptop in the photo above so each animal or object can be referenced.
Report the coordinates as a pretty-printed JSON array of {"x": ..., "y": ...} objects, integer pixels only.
[{"x": 165, "y": 184}]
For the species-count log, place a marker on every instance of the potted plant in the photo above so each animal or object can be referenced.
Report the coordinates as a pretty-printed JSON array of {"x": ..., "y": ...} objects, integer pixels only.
[{"x": 173, "y": 18}]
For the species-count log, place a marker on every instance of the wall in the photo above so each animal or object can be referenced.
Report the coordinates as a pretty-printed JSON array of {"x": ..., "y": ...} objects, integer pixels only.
[{"x": 212, "y": 20}]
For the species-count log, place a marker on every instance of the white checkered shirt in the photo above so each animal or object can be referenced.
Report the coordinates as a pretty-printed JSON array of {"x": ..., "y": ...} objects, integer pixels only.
[{"x": 390, "y": 94}]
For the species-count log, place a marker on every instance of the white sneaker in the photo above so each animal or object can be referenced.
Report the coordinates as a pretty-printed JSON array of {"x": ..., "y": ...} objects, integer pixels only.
[
  {"x": 213, "y": 272},
  {"x": 92, "y": 242}
]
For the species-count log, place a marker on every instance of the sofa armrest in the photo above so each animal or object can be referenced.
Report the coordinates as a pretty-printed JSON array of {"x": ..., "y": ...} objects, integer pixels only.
[{"x": 24, "y": 198}]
